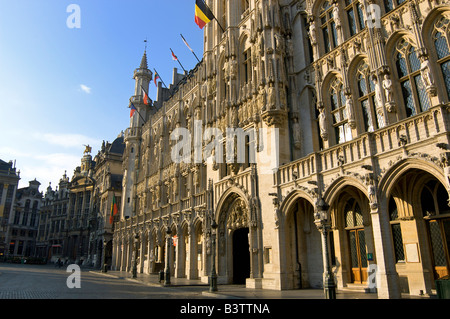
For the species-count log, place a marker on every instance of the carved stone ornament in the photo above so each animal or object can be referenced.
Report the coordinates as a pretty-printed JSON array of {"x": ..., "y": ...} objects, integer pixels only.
[{"x": 238, "y": 216}]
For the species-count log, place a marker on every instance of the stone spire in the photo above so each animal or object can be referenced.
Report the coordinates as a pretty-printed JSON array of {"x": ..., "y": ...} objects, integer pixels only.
[{"x": 144, "y": 64}]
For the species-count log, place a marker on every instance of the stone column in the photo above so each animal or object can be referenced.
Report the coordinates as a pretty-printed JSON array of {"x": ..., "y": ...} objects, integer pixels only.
[
  {"x": 387, "y": 278},
  {"x": 141, "y": 253}
]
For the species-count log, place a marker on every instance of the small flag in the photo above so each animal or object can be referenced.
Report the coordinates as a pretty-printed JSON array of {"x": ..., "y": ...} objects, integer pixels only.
[
  {"x": 174, "y": 57},
  {"x": 202, "y": 14},
  {"x": 156, "y": 78},
  {"x": 146, "y": 98},
  {"x": 113, "y": 210},
  {"x": 133, "y": 109},
  {"x": 185, "y": 42}
]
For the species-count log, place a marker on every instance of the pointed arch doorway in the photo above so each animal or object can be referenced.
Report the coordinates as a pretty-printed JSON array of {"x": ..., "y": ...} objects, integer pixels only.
[
  {"x": 241, "y": 256},
  {"x": 235, "y": 239}
]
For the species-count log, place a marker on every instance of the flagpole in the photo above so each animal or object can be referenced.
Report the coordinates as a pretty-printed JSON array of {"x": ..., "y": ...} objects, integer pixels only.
[
  {"x": 139, "y": 114},
  {"x": 214, "y": 17},
  {"x": 160, "y": 77},
  {"x": 173, "y": 54},
  {"x": 185, "y": 42}
]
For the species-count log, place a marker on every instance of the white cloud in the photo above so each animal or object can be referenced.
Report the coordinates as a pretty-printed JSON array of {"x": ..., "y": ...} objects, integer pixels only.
[
  {"x": 46, "y": 156},
  {"x": 45, "y": 168},
  {"x": 66, "y": 140},
  {"x": 85, "y": 89}
]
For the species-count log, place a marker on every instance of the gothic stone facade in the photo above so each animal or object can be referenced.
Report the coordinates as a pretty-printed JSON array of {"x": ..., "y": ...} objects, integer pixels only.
[{"x": 359, "y": 93}]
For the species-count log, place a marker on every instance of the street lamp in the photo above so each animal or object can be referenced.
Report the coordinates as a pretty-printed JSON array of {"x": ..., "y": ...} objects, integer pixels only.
[
  {"x": 104, "y": 256},
  {"x": 168, "y": 247},
  {"x": 213, "y": 277},
  {"x": 321, "y": 219},
  {"x": 136, "y": 241}
]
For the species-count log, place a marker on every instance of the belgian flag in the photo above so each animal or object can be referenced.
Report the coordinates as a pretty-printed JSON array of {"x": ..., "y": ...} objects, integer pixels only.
[
  {"x": 114, "y": 210},
  {"x": 202, "y": 14}
]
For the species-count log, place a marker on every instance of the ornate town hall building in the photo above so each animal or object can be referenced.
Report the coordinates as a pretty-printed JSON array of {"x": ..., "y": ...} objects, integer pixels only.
[{"x": 353, "y": 99}]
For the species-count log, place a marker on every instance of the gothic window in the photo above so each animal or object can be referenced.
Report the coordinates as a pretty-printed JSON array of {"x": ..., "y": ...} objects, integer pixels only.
[
  {"x": 329, "y": 32},
  {"x": 342, "y": 130},
  {"x": 391, "y": 4},
  {"x": 366, "y": 90},
  {"x": 355, "y": 16},
  {"x": 415, "y": 97},
  {"x": 433, "y": 200},
  {"x": 247, "y": 66},
  {"x": 396, "y": 230},
  {"x": 353, "y": 214},
  {"x": 440, "y": 41}
]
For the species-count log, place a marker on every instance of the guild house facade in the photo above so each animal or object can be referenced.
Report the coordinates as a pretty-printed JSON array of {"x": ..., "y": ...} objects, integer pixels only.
[{"x": 341, "y": 101}]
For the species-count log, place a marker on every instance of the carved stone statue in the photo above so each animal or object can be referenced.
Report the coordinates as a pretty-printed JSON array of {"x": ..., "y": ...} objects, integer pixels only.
[
  {"x": 323, "y": 125},
  {"x": 336, "y": 18},
  {"x": 387, "y": 86},
  {"x": 297, "y": 133},
  {"x": 312, "y": 33},
  {"x": 349, "y": 110},
  {"x": 425, "y": 70},
  {"x": 378, "y": 97}
]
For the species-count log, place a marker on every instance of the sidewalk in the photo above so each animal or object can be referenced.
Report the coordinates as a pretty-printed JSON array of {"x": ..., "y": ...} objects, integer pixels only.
[{"x": 239, "y": 291}]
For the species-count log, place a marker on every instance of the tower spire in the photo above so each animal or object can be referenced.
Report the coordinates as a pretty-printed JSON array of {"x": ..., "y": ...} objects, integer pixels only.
[{"x": 144, "y": 64}]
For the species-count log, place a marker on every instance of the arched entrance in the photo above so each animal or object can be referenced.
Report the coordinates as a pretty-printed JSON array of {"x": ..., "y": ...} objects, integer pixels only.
[
  {"x": 236, "y": 237},
  {"x": 352, "y": 247},
  {"x": 436, "y": 214},
  {"x": 241, "y": 256},
  {"x": 303, "y": 249},
  {"x": 419, "y": 217}
]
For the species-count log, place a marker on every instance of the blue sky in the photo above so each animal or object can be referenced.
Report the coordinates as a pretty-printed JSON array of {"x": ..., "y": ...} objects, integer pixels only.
[{"x": 63, "y": 87}]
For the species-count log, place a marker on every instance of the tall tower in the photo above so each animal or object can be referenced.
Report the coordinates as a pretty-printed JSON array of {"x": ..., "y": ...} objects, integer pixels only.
[
  {"x": 132, "y": 138},
  {"x": 142, "y": 76}
]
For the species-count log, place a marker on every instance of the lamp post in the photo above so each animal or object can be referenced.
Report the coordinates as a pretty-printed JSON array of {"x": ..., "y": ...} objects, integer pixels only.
[
  {"x": 136, "y": 241},
  {"x": 104, "y": 256},
  {"x": 213, "y": 277},
  {"x": 321, "y": 219},
  {"x": 167, "y": 271}
]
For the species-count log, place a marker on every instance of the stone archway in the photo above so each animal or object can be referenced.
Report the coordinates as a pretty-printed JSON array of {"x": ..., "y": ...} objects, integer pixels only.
[
  {"x": 303, "y": 267},
  {"x": 236, "y": 237}
]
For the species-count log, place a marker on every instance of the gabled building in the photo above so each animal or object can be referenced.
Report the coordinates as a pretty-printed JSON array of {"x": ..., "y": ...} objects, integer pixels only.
[
  {"x": 9, "y": 181},
  {"x": 22, "y": 226},
  {"x": 52, "y": 234},
  {"x": 108, "y": 176},
  {"x": 80, "y": 211}
]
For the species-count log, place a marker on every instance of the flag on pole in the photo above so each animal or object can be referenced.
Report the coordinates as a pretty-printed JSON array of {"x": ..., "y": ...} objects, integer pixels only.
[
  {"x": 185, "y": 42},
  {"x": 146, "y": 98},
  {"x": 202, "y": 14},
  {"x": 156, "y": 78},
  {"x": 133, "y": 109},
  {"x": 174, "y": 57},
  {"x": 114, "y": 210}
]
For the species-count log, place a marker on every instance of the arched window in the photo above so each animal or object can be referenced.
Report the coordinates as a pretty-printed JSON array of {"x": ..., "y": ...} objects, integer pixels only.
[
  {"x": 355, "y": 16},
  {"x": 396, "y": 230},
  {"x": 391, "y": 4},
  {"x": 353, "y": 214},
  {"x": 343, "y": 132},
  {"x": 366, "y": 90},
  {"x": 329, "y": 32},
  {"x": 407, "y": 63},
  {"x": 440, "y": 41}
]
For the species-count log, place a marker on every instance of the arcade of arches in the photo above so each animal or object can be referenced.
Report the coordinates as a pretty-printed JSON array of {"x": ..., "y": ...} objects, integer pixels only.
[{"x": 412, "y": 214}]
